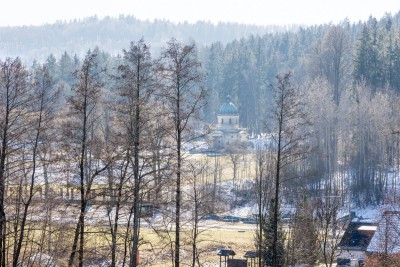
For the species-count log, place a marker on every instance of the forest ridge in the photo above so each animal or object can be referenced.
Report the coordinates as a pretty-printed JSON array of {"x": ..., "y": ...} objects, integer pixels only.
[{"x": 114, "y": 34}]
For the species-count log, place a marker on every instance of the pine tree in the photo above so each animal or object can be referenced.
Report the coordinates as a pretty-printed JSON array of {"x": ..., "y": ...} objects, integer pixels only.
[
  {"x": 304, "y": 239},
  {"x": 368, "y": 63},
  {"x": 395, "y": 81},
  {"x": 66, "y": 69},
  {"x": 361, "y": 68},
  {"x": 268, "y": 233}
]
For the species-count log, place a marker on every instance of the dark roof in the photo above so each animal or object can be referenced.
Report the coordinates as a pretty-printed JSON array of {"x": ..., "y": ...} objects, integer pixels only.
[
  {"x": 356, "y": 239},
  {"x": 228, "y": 108},
  {"x": 226, "y": 252},
  {"x": 251, "y": 254}
]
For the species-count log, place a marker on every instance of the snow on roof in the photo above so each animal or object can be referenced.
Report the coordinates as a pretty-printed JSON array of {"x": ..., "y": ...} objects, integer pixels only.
[
  {"x": 387, "y": 236},
  {"x": 367, "y": 228}
]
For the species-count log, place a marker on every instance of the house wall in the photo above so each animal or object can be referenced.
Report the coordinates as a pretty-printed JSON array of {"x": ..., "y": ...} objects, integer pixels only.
[
  {"x": 228, "y": 121},
  {"x": 230, "y": 138},
  {"x": 351, "y": 255}
]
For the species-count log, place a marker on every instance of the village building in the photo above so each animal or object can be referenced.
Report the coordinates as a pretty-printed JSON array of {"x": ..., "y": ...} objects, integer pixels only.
[
  {"x": 354, "y": 243},
  {"x": 227, "y": 131}
]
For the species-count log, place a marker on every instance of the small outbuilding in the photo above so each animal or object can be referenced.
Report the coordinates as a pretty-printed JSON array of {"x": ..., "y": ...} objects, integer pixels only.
[
  {"x": 226, "y": 253},
  {"x": 251, "y": 258}
]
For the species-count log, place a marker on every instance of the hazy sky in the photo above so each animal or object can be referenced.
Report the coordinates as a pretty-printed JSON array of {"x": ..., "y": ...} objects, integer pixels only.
[{"x": 262, "y": 12}]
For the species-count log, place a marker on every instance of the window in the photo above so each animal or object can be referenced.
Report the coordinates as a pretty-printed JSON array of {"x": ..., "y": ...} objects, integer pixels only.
[
  {"x": 230, "y": 121},
  {"x": 343, "y": 262},
  {"x": 222, "y": 121}
]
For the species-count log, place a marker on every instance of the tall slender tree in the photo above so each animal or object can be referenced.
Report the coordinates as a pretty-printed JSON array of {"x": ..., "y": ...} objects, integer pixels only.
[
  {"x": 180, "y": 73},
  {"x": 85, "y": 141},
  {"x": 44, "y": 96},
  {"x": 136, "y": 86},
  {"x": 14, "y": 98},
  {"x": 335, "y": 59},
  {"x": 264, "y": 174},
  {"x": 288, "y": 121}
]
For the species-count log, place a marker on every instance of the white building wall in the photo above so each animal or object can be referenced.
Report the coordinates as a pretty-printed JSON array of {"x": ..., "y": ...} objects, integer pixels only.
[
  {"x": 228, "y": 121},
  {"x": 354, "y": 255}
]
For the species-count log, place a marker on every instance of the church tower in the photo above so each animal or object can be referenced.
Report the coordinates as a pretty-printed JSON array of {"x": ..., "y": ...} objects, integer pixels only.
[{"x": 227, "y": 131}]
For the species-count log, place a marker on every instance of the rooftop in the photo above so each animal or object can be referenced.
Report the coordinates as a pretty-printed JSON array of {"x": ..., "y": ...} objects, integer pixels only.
[
  {"x": 357, "y": 236},
  {"x": 251, "y": 254},
  {"x": 226, "y": 252},
  {"x": 387, "y": 236},
  {"x": 228, "y": 108}
]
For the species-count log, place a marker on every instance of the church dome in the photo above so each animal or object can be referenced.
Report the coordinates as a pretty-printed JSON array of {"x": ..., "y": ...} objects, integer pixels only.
[{"x": 228, "y": 108}]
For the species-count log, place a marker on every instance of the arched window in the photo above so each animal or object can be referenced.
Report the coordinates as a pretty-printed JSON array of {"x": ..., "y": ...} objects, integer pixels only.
[
  {"x": 230, "y": 121},
  {"x": 222, "y": 121}
]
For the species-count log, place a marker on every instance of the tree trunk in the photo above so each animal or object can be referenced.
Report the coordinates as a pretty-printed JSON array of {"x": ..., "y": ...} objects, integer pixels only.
[
  {"x": 30, "y": 196},
  {"x": 178, "y": 197}
]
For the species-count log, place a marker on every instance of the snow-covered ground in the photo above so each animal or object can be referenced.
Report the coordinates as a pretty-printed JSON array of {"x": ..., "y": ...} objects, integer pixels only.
[
  {"x": 368, "y": 214},
  {"x": 245, "y": 211}
]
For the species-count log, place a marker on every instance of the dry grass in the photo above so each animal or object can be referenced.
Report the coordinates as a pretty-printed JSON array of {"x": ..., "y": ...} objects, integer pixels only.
[
  {"x": 154, "y": 250},
  {"x": 245, "y": 167}
]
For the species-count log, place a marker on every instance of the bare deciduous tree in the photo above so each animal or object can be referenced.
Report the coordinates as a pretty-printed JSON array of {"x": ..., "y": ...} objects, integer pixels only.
[
  {"x": 328, "y": 225},
  {"x": 288, "y": 131},
  {"x": 136, "y": 87},
  {"x": 183, "y": 97},
  {"x": 84, "y": 138},
  {"x": 44, "y": 95},
  {"x": 199, "y": 203},
  {"x": 331, "y": 60},
  {"x": 14, "y": 97}
]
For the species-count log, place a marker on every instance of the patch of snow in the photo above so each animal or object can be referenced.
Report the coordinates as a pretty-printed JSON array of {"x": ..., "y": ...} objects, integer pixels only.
[
  {"x": 245, "y": 211},
  {"x": 367, "y": 214}
]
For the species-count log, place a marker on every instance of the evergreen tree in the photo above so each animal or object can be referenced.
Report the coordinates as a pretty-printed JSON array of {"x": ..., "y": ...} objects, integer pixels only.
[
  {"x": 213, "y": 66},
  {"x": 268, "y": 233},
  {"x": 303, "y": 246},
  {"x": 67, "y": 69},
  {"x": 369, "y": 63},
  {"x": 51, "y": 65},
  {"x": 362, "y": 54},
  {"x": 395, "y": 82}
]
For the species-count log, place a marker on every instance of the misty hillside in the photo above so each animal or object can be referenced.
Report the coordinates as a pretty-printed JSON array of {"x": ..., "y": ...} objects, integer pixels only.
[{"x": 114, "y": 34}]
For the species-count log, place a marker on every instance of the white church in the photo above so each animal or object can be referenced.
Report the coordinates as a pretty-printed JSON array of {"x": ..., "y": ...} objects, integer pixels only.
[{"x": 227, "y": 131}]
